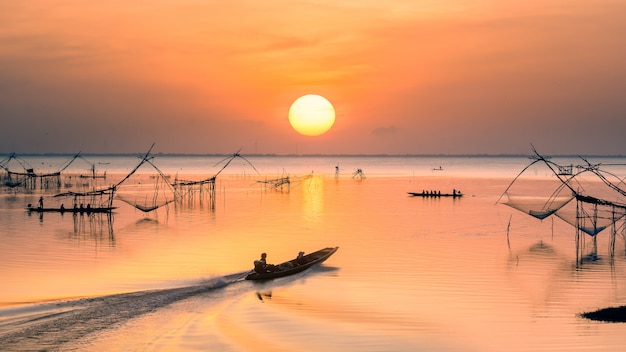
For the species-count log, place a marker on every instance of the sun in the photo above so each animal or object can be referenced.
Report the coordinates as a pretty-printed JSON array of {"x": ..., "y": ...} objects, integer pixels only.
[{"x": 311, "y": 115}]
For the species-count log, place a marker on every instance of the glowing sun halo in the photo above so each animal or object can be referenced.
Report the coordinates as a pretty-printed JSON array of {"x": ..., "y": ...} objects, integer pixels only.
[{"x": 311, "y": 115}]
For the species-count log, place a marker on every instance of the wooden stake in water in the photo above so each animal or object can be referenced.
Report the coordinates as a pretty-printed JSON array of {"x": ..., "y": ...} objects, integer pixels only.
[{"x": 508, "y": 227}]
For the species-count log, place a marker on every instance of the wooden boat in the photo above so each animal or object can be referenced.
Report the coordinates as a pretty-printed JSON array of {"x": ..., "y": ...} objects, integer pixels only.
[
  {"x": 294, "y": 266},
  {"x": 435, "y": 195},
  {"x": 71, "y": 210}
]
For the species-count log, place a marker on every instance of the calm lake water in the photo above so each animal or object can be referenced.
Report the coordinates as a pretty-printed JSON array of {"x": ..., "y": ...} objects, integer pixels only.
[{"x": 411, "y": 273}]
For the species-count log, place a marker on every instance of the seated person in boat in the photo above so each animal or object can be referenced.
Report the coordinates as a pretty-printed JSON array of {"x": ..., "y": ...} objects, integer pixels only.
[
  {"x": 300, "y": 258},
  {"x": 293, "y": 263},
  {"x": 261, "y": 266}
]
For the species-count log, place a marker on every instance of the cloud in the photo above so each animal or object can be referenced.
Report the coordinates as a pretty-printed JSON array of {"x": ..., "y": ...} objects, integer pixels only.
[{"x": 384, "y": 131}]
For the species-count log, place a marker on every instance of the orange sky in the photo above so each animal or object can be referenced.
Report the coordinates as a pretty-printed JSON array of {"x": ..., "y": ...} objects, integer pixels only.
[{"x": 405, "y": 77}]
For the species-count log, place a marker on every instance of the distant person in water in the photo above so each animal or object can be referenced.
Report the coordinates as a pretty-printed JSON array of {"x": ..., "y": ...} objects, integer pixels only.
[{"x": 40, "y": 202}]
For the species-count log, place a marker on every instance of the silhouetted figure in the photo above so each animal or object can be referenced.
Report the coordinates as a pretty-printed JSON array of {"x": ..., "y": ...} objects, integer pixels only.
[
  {"x": 40, "y": 203},
  {"x": 300, "y": 258},
  {"x": 359, "y": 173},
  {"x": 261, "y": 266}
]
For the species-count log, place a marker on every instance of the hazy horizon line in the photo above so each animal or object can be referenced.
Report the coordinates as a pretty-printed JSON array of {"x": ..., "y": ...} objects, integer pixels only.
[{"x": 314, "y": 154}]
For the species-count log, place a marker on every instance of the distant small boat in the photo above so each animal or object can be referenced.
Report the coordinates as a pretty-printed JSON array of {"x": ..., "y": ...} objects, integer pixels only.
[
  {"x": 71, "y": 210},
  {"x": 435, "y": 195},
  {"x": 93, "y": 176},
  {"x": 438, "y": 168},
  {"x": 294, "y": 266}
]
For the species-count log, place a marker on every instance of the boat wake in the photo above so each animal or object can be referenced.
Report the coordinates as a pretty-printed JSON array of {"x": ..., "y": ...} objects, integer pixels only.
[{"x": 50, "y": 325}]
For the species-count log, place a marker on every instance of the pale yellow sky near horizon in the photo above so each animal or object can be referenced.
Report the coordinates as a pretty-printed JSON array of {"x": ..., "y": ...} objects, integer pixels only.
[{"x": 405, "y": 77}]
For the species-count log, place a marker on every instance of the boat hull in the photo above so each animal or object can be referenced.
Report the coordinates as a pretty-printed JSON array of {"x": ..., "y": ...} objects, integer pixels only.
[
  {"x": 436, "y": 195},
  {"x": 293, "y": 267},
  {"x": 70, "y": 210}
]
